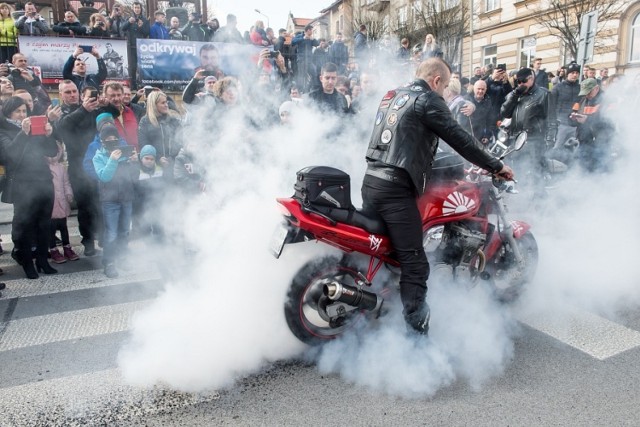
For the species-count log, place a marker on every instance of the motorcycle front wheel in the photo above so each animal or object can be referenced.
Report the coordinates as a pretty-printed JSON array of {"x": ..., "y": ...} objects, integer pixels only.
[
  {"x": 305, "y": 301},
  {"x": 508, "y": 279}
]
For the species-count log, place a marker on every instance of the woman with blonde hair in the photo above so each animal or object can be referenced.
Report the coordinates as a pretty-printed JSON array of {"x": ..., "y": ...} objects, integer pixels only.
[
  {"x": 98, "y": 26},
  {"x": 431, "y": 48},
  {"x": 160, "y": 128},
  {"x": 8, "y": 34}
]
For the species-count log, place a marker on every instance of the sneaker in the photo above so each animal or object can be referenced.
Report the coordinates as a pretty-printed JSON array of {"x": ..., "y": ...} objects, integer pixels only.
[
  {"x": 69, "y": 253},
  {"x": 110, "y": 271},
  {"x": 56, "y": 256},
  {"x": 89, "y": 249}
]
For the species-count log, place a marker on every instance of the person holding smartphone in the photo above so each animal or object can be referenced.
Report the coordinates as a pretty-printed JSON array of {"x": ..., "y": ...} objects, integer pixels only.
[
  {"x": 31, "y": 23},
  {"x": 75, "y": 69},
  {"x": 31, "y": 184},
  {"x": 117, "y": 174}
]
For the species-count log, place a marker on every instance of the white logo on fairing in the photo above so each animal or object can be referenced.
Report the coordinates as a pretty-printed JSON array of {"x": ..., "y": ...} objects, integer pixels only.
[
  {"x": 375, "y": 242},
  {"x": 457, "y": 203},
  {"x": 330, "y": 199}
]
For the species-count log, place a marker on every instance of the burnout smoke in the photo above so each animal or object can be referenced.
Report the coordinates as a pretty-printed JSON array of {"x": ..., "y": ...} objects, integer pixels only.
[{"x": 224, "y": 320}]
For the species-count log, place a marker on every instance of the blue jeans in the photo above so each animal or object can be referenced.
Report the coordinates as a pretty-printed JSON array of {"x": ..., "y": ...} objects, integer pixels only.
[{"x": 117, "y": 223}]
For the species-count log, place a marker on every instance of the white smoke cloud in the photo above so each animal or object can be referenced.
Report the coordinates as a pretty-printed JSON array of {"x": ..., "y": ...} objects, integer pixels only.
[{"x": 225, "y": 319}]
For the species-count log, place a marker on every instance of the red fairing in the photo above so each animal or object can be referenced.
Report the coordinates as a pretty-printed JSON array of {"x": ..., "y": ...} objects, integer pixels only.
[
  {"x": 343, "y": 236},
  {"x": 449, "y": 201},
  {"x": 519, "y": 228}
]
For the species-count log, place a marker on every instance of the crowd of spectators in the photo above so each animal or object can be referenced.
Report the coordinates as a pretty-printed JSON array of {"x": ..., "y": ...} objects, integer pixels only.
[{"x": 113, "y": 150}]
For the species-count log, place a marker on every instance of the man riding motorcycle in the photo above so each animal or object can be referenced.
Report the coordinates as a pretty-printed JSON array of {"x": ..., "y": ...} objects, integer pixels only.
[{"x": 408, "y": 124}]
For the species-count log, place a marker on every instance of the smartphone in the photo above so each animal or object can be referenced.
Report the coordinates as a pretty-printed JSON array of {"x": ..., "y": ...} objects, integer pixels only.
[
  {"x": 208, "y": 73},
  {"x": 55, "y": 102},
  {"x": 127, "y": 150},
  {"x": 86, "y": 48},
  {"x": 38, "y": 124},
  {"x": 93, "y": 94},
  {"x": 274, "y": 54},
  {"x": 148, "y": 90}
]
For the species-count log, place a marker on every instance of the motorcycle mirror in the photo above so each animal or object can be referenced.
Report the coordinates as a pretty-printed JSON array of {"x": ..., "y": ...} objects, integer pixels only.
[{"x": 521, "y": 140}]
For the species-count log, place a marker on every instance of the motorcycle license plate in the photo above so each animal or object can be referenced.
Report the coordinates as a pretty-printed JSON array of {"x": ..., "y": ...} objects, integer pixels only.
[{"x": 278, "y": 239}]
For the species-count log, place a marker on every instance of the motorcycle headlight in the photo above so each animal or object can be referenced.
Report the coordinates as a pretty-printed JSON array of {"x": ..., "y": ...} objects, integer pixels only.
[{"x": 502, "y": 136}]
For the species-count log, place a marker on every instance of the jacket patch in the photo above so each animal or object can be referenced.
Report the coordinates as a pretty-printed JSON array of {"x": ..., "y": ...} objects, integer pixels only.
[
  {"x": 401, "y": 102},
  {"x": 392, "y": 119},
  {"x": 379, "y": 117},
  {"x": 386, "y": 136}
]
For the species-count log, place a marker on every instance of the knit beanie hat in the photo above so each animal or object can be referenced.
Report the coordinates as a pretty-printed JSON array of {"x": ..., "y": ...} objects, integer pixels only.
[
  {"x": 11, "y": 105},
  {"x": 573, "y": 68},
  {"x": 148, "y": 150},
  {"x": 108, "y": 130},
  {"x": 102, "y": 119},
  {"x": 286, "y": 107}
]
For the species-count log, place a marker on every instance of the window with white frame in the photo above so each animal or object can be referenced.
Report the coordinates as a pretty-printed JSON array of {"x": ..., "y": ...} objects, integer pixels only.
[
  {"x": 527, "y": 51},
  {"x": 634, "y": 52},
  {"x": 402, "y": 16},
  {"x": 490, "y": 5},
  {"x": 490, "y": 55}
]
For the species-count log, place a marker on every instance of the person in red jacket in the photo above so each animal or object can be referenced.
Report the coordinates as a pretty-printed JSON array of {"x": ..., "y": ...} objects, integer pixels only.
[{"x": 126, "y": 122}]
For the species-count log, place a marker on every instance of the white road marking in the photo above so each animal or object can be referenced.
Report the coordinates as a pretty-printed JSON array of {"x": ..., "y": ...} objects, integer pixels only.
[
  {"x": 69, "y": 325},
  {"x": 598, "y": 337}
]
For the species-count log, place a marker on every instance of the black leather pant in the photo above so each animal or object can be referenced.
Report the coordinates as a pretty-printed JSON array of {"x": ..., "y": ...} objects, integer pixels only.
[{"x": 396, "y": 203}]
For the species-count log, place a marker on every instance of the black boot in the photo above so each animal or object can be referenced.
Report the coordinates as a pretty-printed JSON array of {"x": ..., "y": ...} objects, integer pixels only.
[
  {"x": 29, "y": 270},
  {"x": 43, "y": 266},
  {"x": 418, "y": 321}
]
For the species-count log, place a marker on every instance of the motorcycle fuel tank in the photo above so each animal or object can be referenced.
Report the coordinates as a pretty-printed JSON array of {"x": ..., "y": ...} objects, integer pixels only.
[{"x": 448, "y": 201}]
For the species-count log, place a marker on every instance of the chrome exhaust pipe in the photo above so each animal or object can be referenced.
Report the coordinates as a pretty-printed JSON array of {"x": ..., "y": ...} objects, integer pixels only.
[{"x": 353, "y": 296}]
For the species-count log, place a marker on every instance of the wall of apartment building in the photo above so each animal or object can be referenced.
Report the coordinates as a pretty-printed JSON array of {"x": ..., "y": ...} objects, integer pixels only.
[{"x": 506, "y": 27}]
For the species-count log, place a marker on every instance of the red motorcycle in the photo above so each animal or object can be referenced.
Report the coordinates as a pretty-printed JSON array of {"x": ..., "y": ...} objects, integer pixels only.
[{"x": 466, "y": 233}]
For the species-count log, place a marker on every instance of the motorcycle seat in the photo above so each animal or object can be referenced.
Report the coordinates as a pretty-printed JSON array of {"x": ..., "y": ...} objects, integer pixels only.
[{"x": 367, "y": 220}]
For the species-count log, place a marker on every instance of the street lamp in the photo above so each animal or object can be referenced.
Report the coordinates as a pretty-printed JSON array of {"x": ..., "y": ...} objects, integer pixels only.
[{"x": 264, "y": 16}]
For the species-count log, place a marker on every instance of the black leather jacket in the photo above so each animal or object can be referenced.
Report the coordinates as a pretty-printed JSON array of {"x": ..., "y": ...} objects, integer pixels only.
[
  {"x": 529, "y": 112},
  {"x": 409, "y": 122}
]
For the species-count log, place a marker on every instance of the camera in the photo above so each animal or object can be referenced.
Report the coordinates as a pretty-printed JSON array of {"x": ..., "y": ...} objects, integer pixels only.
[
  {"x": 100, "y": 24},
  {"x": 274, "y": 53}
]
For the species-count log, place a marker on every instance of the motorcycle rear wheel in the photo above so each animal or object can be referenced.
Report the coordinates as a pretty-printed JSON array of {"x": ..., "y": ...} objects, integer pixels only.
[
  {"x": 304, "y": 301},
  {"x": 508, "y": 279}
]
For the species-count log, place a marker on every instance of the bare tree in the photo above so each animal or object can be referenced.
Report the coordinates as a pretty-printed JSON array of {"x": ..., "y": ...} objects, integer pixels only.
[
  {"x": 564, "y": 19},
  {"x": 374, "y": 21},
  {"x": 445, "y": 20}
]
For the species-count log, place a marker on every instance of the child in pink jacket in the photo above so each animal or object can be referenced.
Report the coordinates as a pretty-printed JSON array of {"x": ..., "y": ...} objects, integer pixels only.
[{"x": 61, "y": 208}]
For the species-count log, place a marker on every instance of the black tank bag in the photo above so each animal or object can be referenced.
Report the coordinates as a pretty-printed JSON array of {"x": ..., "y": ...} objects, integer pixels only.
[{"x": 323, "y": 186}]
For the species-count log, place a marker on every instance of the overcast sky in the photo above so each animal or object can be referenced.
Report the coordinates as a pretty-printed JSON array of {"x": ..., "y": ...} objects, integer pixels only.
[{"x": 276, "y": 10}]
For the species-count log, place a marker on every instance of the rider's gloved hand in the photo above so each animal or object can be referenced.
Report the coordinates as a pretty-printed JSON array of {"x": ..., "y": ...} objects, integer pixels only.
[{"x": 506, "y": 173}]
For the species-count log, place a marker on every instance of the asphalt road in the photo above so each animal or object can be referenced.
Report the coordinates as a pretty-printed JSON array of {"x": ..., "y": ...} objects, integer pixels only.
[{"x": 60, "y": 337}]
